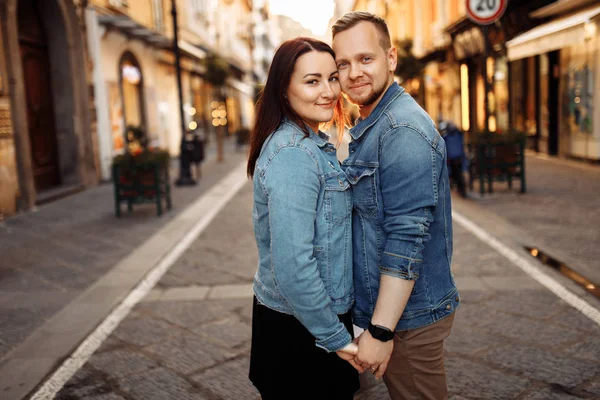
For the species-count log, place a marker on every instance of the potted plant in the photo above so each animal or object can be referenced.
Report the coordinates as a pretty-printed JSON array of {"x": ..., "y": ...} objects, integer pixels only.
[{"x": 141, "y": 174}]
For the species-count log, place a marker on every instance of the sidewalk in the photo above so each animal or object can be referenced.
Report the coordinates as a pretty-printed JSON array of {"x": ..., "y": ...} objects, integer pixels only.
[
  {"x": 560, "y": 213},
  {"x": 190, "y": 337},
  {"x": 52, "y": 255}
]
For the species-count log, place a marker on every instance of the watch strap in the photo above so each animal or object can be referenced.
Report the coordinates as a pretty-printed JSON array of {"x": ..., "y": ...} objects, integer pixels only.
[{"x": 380, "y": 333}]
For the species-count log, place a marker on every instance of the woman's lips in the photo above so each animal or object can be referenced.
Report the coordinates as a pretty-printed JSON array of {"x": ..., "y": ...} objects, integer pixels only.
[{"x": 326, "y": 105}]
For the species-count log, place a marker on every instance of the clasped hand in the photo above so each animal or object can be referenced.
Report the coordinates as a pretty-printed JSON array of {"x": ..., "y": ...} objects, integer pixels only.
[{"x": 367, "y": 353}]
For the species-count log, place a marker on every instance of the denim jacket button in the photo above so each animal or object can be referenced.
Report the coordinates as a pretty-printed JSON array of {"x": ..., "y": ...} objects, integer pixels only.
[
  {"x": 448, "y": 306},
  {"x": 341, "y": 183},
  {"x": 456, "y": 298}
]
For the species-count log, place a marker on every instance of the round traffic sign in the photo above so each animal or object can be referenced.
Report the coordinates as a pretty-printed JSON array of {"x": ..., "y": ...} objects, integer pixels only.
[{"x": 485, "y": 12}]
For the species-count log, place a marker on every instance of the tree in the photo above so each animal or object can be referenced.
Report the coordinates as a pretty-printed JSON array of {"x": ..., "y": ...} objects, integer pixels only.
[
  {"x": 409, "y": 66},
  {"x": 217, "y": 72}
]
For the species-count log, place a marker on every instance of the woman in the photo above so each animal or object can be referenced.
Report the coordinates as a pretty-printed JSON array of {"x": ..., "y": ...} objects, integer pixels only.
[{"x": 301, "y": 328}]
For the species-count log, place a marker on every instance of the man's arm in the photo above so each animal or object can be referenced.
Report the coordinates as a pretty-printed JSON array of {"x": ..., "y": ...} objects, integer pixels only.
[{"x": 408, "y": 186}]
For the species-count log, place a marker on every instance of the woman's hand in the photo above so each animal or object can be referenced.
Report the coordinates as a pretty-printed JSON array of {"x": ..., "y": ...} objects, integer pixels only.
[{"x": 348, "y": 353}]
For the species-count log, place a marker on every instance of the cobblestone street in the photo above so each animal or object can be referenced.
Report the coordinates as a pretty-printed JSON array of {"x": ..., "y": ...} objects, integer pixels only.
[{"x": 190, "y": 337}]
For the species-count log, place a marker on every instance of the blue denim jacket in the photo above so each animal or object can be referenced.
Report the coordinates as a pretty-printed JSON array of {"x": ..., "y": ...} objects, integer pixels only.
[
  {"x": 302, "y": 223},
  {"x": 402, "y": 221}
]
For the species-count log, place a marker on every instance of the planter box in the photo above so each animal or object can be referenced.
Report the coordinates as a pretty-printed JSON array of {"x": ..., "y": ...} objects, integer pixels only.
[
  {"x": 139, "y": 184},
  {"x": 497, "y": 159}
]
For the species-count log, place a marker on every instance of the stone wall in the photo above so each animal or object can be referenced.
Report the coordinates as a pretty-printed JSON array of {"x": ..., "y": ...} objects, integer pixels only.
[{"x": 9, "y": 187}]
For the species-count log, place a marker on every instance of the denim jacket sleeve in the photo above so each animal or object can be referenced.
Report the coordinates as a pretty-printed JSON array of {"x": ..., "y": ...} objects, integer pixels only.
[
  {"x": 292, "y": 185},
  {"x": 408, "y": 180}
]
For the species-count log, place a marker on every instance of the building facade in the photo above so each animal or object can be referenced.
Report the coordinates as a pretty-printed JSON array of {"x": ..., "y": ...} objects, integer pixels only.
[
  {"x": 47, "y": 112},
  {"x": 74, "y": 74},
  {"x": 554, "y": 79},
  {"x": 536, "y": 68}
]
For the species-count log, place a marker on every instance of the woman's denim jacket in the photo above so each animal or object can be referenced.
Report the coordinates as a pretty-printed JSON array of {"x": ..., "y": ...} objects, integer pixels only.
[
  {"x": 402, "y": 213},
  {"x": 302, "y": 223}
]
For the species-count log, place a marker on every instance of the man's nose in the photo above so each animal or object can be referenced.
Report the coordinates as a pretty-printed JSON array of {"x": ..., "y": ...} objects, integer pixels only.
[{"x": 355, "y": 72}]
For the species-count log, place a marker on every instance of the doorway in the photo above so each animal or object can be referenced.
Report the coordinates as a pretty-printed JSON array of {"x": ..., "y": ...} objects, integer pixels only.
[{"x": 39, "y": 99}]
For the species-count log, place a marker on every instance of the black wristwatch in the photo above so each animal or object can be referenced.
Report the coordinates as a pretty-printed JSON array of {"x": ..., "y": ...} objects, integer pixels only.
[{"x": 381, "y": 332}]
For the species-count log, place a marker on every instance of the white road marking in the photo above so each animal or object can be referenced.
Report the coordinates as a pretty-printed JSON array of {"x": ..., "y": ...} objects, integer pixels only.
[
  {"x": 213, "y": 201},
  {"x": 535, "y": 272}
]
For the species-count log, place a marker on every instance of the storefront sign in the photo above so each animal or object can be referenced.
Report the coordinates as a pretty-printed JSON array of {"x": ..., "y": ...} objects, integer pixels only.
[{"x": 485, "y": 12}]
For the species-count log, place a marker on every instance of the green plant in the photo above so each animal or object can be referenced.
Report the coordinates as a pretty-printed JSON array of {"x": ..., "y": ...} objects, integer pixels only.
[
  {"x": 145, "y": 158},
  {"x": 217, "y": 70},
  {"x": 409, "y": 66}
]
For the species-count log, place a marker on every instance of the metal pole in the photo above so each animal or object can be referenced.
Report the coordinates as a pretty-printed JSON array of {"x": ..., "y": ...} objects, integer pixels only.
[
  {"x": 185, "y": 175},
  {"x": 486, "y": 81}
]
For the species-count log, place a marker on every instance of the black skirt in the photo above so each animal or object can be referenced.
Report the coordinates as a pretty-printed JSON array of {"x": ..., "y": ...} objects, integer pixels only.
[{"x": 285, "y": 363}]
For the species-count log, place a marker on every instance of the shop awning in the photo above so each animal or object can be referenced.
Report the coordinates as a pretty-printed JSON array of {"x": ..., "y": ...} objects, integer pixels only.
[
  {"x": 554, "y": 35},
  {"x": 135, "y": 30}
]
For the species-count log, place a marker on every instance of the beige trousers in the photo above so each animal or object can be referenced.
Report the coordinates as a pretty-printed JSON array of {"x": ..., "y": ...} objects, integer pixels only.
[{"x": 416, "y": 368}]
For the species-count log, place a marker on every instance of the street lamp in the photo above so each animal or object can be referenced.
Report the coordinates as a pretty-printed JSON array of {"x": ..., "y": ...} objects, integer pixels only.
[{"x": 185, "y": 174}]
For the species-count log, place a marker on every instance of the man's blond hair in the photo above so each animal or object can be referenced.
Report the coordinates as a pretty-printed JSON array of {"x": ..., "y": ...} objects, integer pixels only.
[{"x": 351, "y": 19}]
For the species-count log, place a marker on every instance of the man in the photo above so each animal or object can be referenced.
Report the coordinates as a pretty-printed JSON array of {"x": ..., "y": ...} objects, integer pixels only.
[
  {"x": 455, "y": 150},
  {"x": 402, "y": 227}
]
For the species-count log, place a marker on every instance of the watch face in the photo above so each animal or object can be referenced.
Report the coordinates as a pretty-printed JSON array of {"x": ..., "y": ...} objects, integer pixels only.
[{"x": 381, "y": 333}]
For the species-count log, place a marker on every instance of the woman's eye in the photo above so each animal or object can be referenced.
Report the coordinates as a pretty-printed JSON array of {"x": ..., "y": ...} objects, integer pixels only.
[
  {"x": 312, "y": 82},
  {"x": 333, "y": 79}
]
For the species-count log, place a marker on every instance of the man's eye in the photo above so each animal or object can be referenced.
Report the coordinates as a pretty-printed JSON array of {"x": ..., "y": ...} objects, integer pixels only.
[
  {"x": 367, "y": 59},
  {"x": 342, "y": 65}
]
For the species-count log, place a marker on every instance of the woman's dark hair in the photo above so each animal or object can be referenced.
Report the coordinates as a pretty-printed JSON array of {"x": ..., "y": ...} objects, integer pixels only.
[{"x": 273, "y": 106}]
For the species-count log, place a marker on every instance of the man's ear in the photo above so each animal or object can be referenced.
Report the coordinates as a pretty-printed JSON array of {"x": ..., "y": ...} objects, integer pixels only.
[{"x": 393, "y": 58}]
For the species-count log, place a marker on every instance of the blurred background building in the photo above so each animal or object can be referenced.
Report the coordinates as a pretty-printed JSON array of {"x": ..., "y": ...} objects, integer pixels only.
[
  {"x": 75, "y": 73},
  {"x": 543, "y": 68}
]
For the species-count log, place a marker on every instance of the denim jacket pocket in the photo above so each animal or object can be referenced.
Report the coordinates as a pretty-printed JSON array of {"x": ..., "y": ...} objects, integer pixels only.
[
  {"x": 338, "y": 200},
  {"x": 364, "y": 190}
]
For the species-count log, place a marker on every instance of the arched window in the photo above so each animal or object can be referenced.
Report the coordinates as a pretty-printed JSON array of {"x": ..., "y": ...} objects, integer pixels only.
[{"x": 132, "y": 90}]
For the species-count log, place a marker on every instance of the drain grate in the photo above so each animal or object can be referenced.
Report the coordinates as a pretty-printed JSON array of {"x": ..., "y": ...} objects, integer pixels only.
[{"x": 576, "y": 277}]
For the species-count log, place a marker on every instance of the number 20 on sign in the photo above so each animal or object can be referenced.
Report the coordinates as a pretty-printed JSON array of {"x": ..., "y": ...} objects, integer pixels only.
[{"x": 485, "y": 12}]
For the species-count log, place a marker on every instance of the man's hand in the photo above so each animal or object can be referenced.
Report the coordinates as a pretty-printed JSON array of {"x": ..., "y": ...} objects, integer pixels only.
[
  {"x": 348, "y": 353},
  {"x": 374, "y": 354}
]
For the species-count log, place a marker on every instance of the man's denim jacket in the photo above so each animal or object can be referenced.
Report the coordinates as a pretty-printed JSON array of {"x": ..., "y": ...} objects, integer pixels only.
[
  {"x": 402, "y": 222},
  {"x": 302, "y": 223}
]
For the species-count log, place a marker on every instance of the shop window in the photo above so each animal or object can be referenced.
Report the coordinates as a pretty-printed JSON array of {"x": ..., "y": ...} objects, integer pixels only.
[
  {"x": 581, "y": 95},
  {"x": 530, "y": 100},
  {"x": 517, "y": 92},
  {"x": 132, "y": 83}
]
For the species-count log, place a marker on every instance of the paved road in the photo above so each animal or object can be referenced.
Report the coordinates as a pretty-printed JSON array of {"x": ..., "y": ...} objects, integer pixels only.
[
  {"x": 560, "y": 211},
  {"x": 189, "y": 339}
]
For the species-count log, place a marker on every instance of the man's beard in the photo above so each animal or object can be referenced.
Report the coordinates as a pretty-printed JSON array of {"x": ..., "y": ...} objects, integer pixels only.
[{"x": 371, "y": 98}]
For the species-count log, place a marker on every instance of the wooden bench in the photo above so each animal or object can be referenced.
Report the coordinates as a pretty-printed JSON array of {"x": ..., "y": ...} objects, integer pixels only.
[{"x": 497, "y": 160}]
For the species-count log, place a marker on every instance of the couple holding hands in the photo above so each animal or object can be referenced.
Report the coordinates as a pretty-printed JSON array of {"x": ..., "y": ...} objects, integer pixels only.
[{"x": 367, "y": 242}]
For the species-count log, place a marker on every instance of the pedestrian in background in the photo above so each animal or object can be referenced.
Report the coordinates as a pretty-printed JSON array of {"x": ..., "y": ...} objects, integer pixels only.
[
  {"x": 402, "y": 224},
  {"x": 301, "y": 324},
  {"x": 455, "y": 148}
]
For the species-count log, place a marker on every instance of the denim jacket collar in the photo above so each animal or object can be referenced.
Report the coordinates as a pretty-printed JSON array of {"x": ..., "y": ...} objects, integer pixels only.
[
  {"x": 320, "y": 138},
  {"x": 390, "y": 95}
]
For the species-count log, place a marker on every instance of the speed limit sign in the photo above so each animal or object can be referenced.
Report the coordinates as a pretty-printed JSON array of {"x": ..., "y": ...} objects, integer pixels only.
[{"x": 485, "y": 12}]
